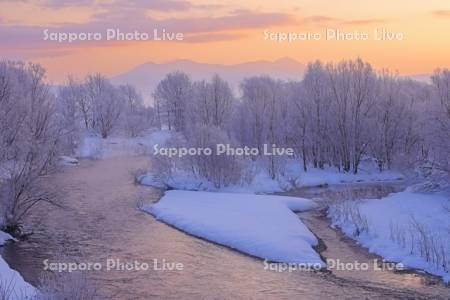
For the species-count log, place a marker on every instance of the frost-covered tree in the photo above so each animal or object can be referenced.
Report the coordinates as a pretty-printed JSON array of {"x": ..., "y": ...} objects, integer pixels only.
[
  {"x": 339, "y": 115},
  {"x": 73, "y": 119},
  {"x": 299, "y": 121},
  {"x": 352, "y": 94},
  {"x": 262, "y": 118},
  {"x": 441, "y": 82},
  {"x": 29, "y": 140},
  {"x": 256, "y": 97},
  {"x": 213, "y": 102},
  {"x": 317, "y": 88},
  {"x": 172, "y": 96},
  {"x": 135, "y": 113},
  {"x": 107, "y": 104},
  {"x": 220, "y": 103},
  {"x": 388, "y": 121}
]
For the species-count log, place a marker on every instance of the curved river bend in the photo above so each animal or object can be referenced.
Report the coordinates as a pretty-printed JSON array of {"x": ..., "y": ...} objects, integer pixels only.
[{"x": 100, "y": 221}]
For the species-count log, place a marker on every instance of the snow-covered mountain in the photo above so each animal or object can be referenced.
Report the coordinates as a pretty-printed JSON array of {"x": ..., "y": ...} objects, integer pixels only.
[{"x": 146, "y": 76}]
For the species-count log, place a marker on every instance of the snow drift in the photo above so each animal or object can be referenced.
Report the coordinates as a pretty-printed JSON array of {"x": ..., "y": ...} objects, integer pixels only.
[
  {"x": 406, "y": 227},
  {"x": 260, "y": 225}
]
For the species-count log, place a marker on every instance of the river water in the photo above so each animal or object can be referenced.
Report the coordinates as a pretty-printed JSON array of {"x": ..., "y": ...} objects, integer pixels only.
[{"x": 99, "y": 221}]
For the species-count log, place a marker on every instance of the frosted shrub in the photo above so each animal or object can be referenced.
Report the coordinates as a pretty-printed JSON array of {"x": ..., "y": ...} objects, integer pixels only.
[
  {"x": 18, "y": 195},
  {"x": 8, "y": 290},
  {"x": 397, "y": 234},
  {"x": 163, "y": 166},
  {"x": 135, "y": 119},
  {"x": 343, "y": 208},
  {"x": 275, "y": 165},
  {"x": 29, "y": 139},
  {"x": 220, "y": 170},
  {"x": 431, "y": 245},
  {"x": 348, "y": 212},
  {"x": 248, "y": 172}
]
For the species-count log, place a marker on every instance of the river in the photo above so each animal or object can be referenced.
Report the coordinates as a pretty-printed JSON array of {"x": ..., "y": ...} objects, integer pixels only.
[{"x": 99, "y": 221}]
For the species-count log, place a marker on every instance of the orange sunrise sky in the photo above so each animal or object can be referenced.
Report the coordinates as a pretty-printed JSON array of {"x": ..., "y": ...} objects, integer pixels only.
[{"x": 223, "y": 32}]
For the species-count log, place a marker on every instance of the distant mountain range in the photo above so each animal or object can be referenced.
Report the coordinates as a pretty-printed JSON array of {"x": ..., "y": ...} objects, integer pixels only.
[{"x": 147, "y": 76}]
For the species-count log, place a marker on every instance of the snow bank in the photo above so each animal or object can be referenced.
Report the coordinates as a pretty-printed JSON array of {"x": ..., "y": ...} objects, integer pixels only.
[
  {"x": 92, "y": 146},
  {"x": 67, "y": 161},
  {"x": 12, "y": 284},
  {"x": 294, "y": 177},
  {"x": 328, "y": 176},
  {"x": 180, "y": 181},
  {"x": 4, "y": 237},
  {"x": 260, "y": 225},
  {"x": 406, "y": 227}
]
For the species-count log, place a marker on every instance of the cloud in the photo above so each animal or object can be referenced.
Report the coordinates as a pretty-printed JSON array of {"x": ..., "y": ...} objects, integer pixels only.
[
  {"x": 29, "y": 39},
  {"x": 157, "y": 5},
  {"x": 212, "y": 37},
  {"x": 441, "y": 13},
  {"x": 326, "y": 20},
  {"x": 239, "y": 20},
  {"x": 318, "y": 19},
  {"x": 13, "y": 52},
  {"x": 362, "y": 21},
  {"x": 55, "y": 4},
  {"x": 19, "y": 35}
]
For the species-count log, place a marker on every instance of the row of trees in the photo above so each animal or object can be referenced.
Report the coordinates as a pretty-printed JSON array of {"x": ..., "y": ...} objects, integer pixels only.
[
  {"x": 180, "y": 103},
  {"x": 96, "y": 105},
  {"x": 338, "y": 115}
]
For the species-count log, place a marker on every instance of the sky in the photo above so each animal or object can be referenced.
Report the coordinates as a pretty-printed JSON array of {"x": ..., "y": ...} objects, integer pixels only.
[{"x": 224, "y": 32}]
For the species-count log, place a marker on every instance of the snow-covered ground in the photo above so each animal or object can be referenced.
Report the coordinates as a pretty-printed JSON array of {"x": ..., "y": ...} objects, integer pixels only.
[
  {"x": 67, "y": 161},
  {"x": 329, "y": 175},
  {"x": 260, "y": 225},
  {"x": 12, "y": 284},
  {"x": 92, "y": 146},
  {"x": 408, "y": 227},
  {"x": 294, "y": 177}
]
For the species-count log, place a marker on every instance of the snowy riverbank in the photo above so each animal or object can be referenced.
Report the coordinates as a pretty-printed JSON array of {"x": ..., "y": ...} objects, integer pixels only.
[
  {"x": 12, "y": 284},
  {"x": 294, "y": 177},
  {"x": 259, "y": 225},
  {"x": 407, "y": 227}
]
